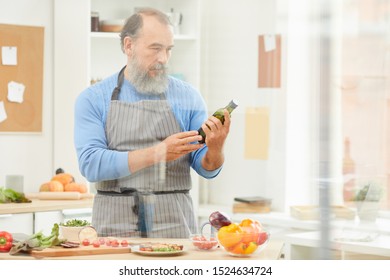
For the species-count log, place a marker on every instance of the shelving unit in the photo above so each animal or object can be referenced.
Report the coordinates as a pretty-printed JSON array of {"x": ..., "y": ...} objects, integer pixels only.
[{"x": 186, "y": 51}]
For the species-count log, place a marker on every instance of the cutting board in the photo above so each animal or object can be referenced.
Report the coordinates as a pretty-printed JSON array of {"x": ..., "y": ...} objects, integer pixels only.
[
  {"x": 80, "y": 251},
  {"x": 59, "y": 195}
]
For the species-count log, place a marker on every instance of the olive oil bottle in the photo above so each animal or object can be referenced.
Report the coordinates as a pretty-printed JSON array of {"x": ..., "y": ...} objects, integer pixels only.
[{"x": 219, "y": 115}]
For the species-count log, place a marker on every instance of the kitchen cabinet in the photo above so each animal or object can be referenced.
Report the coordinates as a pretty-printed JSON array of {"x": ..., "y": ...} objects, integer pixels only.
[
  {"x": 21, "y": 223},
  {"x": 40, "y": 215},
  {"x": 44, "y": 221},
  {"x": 81, "y": 56}
]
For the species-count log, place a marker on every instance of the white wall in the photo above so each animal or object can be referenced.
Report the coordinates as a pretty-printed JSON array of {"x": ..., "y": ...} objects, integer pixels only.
[
  {"x": 31, "y": 154},
  {"x": 229, "y": 70}
]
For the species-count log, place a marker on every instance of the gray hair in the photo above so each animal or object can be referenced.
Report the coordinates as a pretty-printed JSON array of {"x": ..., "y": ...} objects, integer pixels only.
[{"x": 134, "y": 23}]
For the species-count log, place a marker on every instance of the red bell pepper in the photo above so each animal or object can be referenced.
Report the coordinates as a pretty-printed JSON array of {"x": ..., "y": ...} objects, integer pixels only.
[{"x": 5, "y": 241}]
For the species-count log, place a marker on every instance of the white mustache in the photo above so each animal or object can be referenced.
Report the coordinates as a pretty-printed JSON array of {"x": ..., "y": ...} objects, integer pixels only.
[{"x": 159, "y": 67}]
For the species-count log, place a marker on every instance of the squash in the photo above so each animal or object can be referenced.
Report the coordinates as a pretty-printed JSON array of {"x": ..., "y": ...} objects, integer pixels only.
[
  {"x": 52, "y": 186},
  {"x": 75, "y": 187},
  {"x": 63, "y": 178}
]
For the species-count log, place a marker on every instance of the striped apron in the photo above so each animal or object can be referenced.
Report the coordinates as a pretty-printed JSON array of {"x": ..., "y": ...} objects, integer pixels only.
[{"x": 152, "y": 202}]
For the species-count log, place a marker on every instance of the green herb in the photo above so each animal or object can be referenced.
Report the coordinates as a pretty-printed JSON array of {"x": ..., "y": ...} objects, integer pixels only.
[
  {"x": 10, "y": 195},
  {"x": 370, "y": 191},
  {"x": 76, "y": 223},
  {"x": 38, "y": 241}
]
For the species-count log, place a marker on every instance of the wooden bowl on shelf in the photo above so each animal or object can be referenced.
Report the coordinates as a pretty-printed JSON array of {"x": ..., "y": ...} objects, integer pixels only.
[{"x": 112, "y": 25}]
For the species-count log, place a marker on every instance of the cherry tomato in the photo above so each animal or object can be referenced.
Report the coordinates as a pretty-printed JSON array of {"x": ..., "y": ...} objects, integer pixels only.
[
  {"x": 96, "y": 243},
  {"x": 102, "y": 240},
  {"x": 124, "y": 243},
  {"x": 114, "y": 243},
  {"x": 85, "y": 242}
]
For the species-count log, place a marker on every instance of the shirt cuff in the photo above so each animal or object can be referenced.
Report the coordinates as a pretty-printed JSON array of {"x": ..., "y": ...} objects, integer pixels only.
[
  {"x": 209, "y": 174},
  {"x": 123, "y": 166}
]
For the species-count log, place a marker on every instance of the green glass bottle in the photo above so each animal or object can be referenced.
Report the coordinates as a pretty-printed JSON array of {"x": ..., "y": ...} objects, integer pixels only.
[{"x": 219, "y": 115}]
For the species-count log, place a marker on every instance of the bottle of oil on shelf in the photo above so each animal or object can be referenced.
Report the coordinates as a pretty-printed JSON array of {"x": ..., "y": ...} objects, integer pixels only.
[
  {"x": 348, "y": 172},
  {"x": 219, "y": 115}
]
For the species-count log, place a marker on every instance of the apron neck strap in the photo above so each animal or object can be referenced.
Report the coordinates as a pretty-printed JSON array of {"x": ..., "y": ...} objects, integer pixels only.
[{"x": 117, "y": 89}]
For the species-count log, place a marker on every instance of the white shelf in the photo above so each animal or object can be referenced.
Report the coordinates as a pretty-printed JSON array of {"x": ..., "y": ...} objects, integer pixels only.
[{"x": 115, "y": 35}]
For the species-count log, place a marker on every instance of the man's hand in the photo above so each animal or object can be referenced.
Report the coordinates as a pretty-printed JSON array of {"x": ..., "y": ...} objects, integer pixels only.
[
  {"x": 173, "y": 147},
  {"x": 178, "y": 145},
  {"x": 216, "y": 134}
]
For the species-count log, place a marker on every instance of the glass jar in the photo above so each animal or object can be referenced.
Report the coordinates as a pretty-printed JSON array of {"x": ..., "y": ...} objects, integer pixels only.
[{"x": 94, "y": 21}]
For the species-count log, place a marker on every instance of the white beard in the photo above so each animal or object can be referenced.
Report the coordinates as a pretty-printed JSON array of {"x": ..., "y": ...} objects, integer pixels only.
[{"x": 144, "y": 83}]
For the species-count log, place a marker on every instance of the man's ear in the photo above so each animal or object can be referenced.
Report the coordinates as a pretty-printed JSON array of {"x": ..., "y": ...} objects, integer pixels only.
[{"x": 128, "y": 45}]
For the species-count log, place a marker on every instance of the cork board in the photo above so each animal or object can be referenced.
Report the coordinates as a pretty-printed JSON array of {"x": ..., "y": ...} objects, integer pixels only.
[
  {"x": 24, "y": 116},
  {"x": 270, "y": 55}
]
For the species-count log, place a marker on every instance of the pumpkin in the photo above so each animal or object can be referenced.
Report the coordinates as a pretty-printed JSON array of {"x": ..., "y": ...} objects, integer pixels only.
[
  {"x": 52, "y": 186},
  {"x": 75, "y": 187},
  {"x": 63, "y": 178}
]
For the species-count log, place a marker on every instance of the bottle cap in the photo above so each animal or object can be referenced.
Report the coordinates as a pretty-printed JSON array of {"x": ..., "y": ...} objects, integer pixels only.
[{"x": 234, "y": 103}]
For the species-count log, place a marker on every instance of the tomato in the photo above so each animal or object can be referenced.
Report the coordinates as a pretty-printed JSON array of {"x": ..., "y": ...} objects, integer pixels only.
[
  {"x": 102, "y": 240},
  {"x": 114, "y": 243},
  {"x": 96, "y": 243},
  {"x": 124, "y": 243},
  {"x": 263, "y": 237},
  {"x": 85, "y": 242},
  {"x": 108, "y": 242}
]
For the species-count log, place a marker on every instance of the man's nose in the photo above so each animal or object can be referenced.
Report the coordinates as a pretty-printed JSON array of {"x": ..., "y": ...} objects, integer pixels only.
[{"x": 163, "y": 57}]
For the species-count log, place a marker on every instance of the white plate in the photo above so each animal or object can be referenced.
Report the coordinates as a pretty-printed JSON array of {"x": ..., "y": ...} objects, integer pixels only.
[{"x": 136, "y": 249}]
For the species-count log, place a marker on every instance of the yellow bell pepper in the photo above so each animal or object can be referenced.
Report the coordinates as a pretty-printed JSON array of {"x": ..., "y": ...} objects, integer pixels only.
[{"x": 230, "y": 235}]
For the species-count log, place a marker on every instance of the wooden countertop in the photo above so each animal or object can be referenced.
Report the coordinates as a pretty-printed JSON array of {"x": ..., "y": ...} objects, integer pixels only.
[
  {"x": 271, "y": 252},
  {"x": 37, "y": 205}
]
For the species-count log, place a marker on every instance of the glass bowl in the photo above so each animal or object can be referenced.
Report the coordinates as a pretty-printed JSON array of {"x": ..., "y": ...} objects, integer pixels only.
[
  {"x": 243, "y": 243},
  {"x": 204, "y": 242}
]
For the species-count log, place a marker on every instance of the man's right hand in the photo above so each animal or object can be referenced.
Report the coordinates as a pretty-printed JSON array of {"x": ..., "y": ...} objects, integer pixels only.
[
  {"x": 178, "y": 145},
  {"x": 172, "y": 148}
]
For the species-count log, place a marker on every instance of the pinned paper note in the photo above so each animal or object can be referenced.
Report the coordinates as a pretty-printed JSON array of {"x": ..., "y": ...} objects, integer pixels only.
[
  {"x": 15, "y": 92},
  {"x": 270, "y": 65},
  {"x": 3, "y": 113},
  {"x": 256, "y": 133},
  {"x": 9, "y": 55},
  {"x": 269, "y": 43}
]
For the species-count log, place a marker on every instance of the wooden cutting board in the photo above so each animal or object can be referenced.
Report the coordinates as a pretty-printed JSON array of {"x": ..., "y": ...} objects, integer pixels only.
[{"x": 80, "y": 251}]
